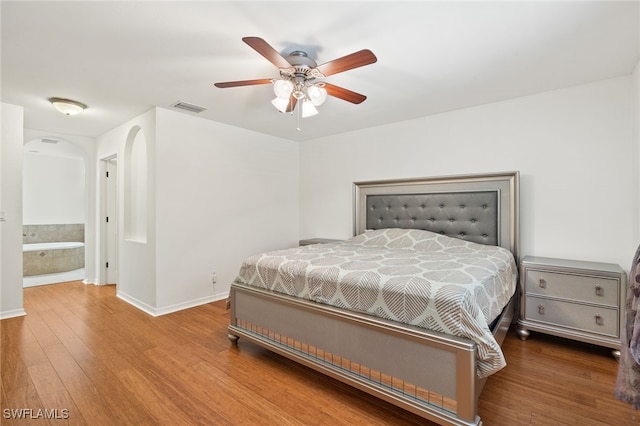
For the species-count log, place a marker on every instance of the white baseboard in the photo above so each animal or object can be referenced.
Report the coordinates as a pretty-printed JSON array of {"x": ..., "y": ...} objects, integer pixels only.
[
  {"x": 171, "y": 308},
  {"x": 137, "y": 303},
  {"x": 12, "y": 314}
]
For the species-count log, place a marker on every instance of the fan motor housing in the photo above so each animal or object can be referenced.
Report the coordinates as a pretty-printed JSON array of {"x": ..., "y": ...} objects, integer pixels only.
[{"x": 301, "y": 66}]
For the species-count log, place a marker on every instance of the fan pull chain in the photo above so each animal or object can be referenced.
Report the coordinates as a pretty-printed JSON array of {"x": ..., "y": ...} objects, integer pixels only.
[{"x": 298, "y": 127}]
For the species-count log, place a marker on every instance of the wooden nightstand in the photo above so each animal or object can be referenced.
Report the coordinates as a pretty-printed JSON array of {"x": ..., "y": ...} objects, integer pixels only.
[
  {"x": 577, "y": 300},
  {"x": 310, "y": 241}
]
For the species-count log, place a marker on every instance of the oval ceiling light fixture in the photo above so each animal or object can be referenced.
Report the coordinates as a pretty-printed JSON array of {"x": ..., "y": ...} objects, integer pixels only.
[{"x": 67, "y": 106}]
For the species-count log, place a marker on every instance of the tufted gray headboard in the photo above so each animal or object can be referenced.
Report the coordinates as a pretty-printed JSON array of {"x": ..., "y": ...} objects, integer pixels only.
[
  {"x": 470, "y": 216},
  {"x": 478, "y": 208}
]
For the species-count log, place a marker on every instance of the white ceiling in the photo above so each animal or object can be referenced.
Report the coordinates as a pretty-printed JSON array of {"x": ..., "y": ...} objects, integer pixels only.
[{"x": 123, "y": 58}]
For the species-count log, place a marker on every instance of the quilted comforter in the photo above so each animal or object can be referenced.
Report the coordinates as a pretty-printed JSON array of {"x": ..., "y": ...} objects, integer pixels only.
[{"x": 409, "y": 276}]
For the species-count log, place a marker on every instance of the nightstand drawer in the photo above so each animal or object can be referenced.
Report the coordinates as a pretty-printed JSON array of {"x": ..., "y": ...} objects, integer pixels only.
[
  {"x": 583, "y": 288},
  {"x": 594, "y": 319},
  {"x": 574, "y": 299}
]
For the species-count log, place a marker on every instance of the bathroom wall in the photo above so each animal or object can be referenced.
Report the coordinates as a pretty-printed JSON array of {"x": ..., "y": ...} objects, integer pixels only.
[
  {"x": 53, "y": 189},
  {"x": 52, "y": 233}
]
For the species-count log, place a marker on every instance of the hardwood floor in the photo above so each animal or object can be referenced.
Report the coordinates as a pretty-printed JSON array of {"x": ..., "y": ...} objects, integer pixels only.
[{"x": 91, "y": 359}]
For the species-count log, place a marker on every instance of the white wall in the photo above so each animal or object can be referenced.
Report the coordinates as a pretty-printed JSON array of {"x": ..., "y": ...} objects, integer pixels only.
[
  {"x": 53, "y": 190},
  {"x": 573, "y": 148},
  {"x": 136, "y": 260},
  {"x": 223, "y": 193},
  {"x": 216, "y": 194},
  {"x": 11, "y": 205}
]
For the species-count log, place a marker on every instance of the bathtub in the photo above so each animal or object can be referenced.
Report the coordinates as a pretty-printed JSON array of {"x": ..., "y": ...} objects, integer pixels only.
[
  {"x": 51, "y": 246},
  {"x": 51, "y": 258}
]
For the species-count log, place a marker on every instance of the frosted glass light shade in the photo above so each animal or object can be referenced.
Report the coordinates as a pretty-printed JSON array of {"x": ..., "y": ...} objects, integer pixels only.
[
  {"x": 308, "y": 109},
  {"x": 280, "y": 103},
  {"x": 317, "y": 95},
  {"x": 67, "y": 106},
  {"x": 283, "y": 88}
]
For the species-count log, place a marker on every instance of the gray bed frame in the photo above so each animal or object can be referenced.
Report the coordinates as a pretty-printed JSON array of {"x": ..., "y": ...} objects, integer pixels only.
[{"x": 428, "y": 373}]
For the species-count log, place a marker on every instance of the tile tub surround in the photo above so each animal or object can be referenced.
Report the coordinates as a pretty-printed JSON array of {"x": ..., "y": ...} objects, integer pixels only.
[
  {"x": 50, "y": 261},
  {"x": 52, "y": 233},
  {"x": 47, "y": 261}
]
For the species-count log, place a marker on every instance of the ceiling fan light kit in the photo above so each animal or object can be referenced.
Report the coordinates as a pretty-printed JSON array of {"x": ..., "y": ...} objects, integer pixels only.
[
  {"x": 283, "y": 89},
  {"x": 298, "y": 74},
  {"x": 281, "y": 104},
  {"x": 317, "y": 94},
  {"x": 308, "y": 109}
]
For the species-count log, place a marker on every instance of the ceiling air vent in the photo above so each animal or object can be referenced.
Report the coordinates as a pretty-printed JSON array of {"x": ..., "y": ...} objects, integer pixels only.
[
  {"x": 44, "y": 140},
  {"x": 189, "y": 107}
]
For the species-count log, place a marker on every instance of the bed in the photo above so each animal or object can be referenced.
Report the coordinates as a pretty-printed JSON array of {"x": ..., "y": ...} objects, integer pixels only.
[{"x": 349, "y": 309}]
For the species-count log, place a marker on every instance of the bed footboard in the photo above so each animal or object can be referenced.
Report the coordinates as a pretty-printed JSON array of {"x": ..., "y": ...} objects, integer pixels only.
[{"x": 430, "y": 374}]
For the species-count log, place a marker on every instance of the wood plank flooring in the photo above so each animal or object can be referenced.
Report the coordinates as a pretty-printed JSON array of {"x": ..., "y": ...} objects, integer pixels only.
[{"x": 91, "y": 359}]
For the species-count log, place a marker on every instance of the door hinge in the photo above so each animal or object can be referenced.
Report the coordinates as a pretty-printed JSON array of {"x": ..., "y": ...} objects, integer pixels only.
[
  {"x": 107, "y": 174},
  {"x": 107, "y": 219},
  {"x": 107, "y": 265}
]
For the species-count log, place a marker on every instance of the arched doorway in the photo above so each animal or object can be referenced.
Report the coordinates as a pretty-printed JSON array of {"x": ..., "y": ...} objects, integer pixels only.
[{"x": 54, "y": 211}]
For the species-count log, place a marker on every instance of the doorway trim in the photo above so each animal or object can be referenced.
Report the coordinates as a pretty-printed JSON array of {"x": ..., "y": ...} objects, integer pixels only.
[{"x": 107, "y": 243}]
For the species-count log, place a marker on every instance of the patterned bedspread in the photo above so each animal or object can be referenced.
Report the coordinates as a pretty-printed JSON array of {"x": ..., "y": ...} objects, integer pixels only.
[{"x": 410, "y": 276}]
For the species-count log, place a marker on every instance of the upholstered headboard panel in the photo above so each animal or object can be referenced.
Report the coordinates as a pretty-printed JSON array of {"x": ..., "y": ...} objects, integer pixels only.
[
  {"x": 478, "y": 208},
  {"x": 469, "y": 216}
]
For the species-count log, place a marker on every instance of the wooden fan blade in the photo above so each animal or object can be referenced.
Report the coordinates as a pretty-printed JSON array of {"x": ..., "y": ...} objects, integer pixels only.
[
  {"x": 344, "y": 94},
  {"x": 265, "y": 49},
  {"x": 243, "y": 83},
  {"x": 292, "y": 103},
  {"x": 349, "y": 62}
]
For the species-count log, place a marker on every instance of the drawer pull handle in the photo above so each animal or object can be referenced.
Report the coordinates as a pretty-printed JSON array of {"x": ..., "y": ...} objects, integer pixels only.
[
  {"x": 599, "y": 320},
  {"x": 599, "y": 290},
  {"x": 542, "y": 283},
  {"x": 541, "y": 309}
]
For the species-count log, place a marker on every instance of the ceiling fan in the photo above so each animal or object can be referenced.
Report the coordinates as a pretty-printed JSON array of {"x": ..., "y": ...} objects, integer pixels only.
[{"x": 299, "y": 77}]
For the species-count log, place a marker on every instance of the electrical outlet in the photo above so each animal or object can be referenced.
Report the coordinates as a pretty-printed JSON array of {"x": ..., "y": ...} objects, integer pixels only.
[{"x": 214, "y": 278}]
